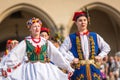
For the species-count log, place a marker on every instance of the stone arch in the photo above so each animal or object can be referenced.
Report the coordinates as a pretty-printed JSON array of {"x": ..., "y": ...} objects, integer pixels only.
[
  {"x": 28, "y": 9},
  {"x": 109, "y": 28},
  {"x": 31, "y": 9}
]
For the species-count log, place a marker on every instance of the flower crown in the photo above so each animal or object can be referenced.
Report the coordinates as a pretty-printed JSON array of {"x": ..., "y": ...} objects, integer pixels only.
[{"x": 32, "y": 21}]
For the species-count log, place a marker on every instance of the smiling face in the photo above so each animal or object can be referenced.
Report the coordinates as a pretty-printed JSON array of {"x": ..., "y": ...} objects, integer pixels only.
[
  {"x": 35, "y": 30},
  {"x": 82, "y": 23}
]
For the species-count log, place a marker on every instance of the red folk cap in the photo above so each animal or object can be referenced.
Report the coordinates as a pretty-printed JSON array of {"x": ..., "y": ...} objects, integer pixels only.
[
  {"x": 78, "y": 14},
  {"x": 44, "y": 29}
]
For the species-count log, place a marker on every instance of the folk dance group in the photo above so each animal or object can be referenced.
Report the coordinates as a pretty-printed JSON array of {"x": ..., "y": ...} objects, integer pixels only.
[{"x": 36, "y": 58}]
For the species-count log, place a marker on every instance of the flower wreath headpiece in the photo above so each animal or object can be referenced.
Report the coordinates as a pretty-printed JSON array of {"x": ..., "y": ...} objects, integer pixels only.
[{"x": 32, "y": 21}]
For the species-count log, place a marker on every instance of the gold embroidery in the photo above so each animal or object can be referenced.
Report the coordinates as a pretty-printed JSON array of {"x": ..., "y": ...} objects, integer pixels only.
[
  {"x": 81, "y": 77},
  {"x": 29, "y": 54},
  {"x": 79, "y": 48},
  {"x": 92, "y": 45},
  {"x": 96, "y": 76},
  {"x": 80, "y": 53}
]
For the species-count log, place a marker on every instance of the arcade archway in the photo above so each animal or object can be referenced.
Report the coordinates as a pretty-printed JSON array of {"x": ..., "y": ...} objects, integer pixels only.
[
  {"x": 13, "y": 22},
  {"x": 104, "y": 21}
]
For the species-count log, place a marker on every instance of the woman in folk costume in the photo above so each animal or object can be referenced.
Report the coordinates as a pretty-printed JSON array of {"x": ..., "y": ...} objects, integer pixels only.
[
  {"x": 87, "y": 47},
  {"x": 9, "y": 46},
  {"x": 39, "y": 52}
]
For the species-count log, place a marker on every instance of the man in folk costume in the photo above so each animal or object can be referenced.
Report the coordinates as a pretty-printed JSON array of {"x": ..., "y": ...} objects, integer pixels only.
[{"x": 87, "y": 47}]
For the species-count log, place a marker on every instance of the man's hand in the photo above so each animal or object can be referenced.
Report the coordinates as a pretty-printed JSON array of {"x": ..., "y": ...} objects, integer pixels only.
[{"x": 98, "y": 58}]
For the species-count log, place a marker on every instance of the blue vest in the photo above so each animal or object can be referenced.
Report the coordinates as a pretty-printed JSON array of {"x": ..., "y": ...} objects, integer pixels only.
[
  {"x": 74, "y": 46},
  {"x": 80, "y": 74}
]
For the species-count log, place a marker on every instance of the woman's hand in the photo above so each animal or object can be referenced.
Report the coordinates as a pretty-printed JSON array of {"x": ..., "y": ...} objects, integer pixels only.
[
  {"x": 75, "y": 63},
  {"x": 4, "y": 73},
  {"x": 69, "y": 75}
]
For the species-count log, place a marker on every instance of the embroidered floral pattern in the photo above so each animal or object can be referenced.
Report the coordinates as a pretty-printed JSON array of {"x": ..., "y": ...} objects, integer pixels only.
[
  {"x": 37, "y": 53},
  {"x": 81, "y": 77},
  {"x": 79, "y": 47},
  {"x": 92, "y": 47},
  {"x": 80, "y": 54},
  {"x": 96, "y": 76}
]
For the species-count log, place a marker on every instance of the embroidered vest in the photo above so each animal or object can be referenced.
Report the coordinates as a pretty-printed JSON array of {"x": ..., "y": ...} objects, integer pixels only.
[
  {"x": 74, "y": 45},
  {"x": 33, "y": 56}
]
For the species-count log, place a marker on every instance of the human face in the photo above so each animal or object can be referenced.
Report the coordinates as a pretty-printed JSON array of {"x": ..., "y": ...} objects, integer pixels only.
[
  {"x": 14, "y": 43},
  {"x": 44, "y": 35},
  {"x": 82, "y": 23},
  {"x": 35, "y": 29}
]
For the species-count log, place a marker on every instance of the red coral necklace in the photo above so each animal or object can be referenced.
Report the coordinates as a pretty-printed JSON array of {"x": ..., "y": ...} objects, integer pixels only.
[{"x": 33, "y": 39}]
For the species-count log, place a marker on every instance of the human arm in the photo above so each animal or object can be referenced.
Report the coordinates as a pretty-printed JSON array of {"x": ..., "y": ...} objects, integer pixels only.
[
  {"x": 57, "y": 58},
  {"x": 103, "y": 46},
  {"x": 65, "y": 49},
  {"x": 14, "y": 57}
]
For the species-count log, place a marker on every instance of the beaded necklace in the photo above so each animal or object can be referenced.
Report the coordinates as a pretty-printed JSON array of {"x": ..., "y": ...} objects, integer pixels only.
[
  {"x": 79, "y": 47},
  {"x": 36, "y": 41},
  {"x": 37, "y": 49}
]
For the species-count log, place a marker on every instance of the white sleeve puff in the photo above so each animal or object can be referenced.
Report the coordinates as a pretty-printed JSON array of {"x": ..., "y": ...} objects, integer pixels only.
[{"x": 103, "y": 46}]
